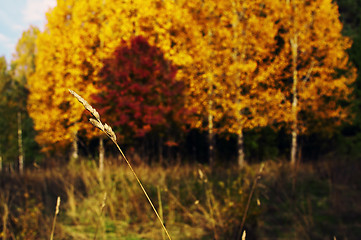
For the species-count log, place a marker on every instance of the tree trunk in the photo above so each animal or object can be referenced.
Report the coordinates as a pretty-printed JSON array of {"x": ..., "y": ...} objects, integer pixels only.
[
  {"x": 294, "y": 111},
  {"x": 20, "y": 143},
  {"x": 75, "y": 150},
  {"x": 241, "y": 161},
  {"x": 238, "y": 55},
  {"x": 210, "y": 106},
  {"x": 101, "y": 153}
]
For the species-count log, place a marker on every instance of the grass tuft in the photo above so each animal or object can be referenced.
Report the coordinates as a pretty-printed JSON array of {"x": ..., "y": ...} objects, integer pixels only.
[{"x": 110, "y": 133}]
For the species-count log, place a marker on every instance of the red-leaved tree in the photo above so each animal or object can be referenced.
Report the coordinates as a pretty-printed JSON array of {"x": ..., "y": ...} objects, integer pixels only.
[{"x": 139, "y": 93}]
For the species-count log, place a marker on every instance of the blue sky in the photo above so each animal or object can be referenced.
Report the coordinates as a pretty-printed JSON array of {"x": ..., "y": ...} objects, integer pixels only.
[{"x": 15, "y": 17}]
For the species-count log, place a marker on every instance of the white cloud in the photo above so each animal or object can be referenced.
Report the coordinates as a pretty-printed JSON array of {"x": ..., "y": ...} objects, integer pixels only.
[
  {"x": 34, "y": 12},
  {"x": 6, "y": 46},
  {"x": 11, "y": 21},
  {"x": 17, "y": 27},
  {"x": 4, "y": 38},
  {"x": 16, "y": 16},
  {"x": 6, "y": 41}
]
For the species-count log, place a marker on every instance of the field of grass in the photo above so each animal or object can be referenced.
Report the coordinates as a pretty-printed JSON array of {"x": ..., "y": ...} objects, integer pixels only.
[{"x": 319, "y": 201}]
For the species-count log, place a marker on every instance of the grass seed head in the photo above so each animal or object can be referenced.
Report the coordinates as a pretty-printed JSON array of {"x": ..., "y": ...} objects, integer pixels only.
[
  {"x": 86, "y": 105},
  {"x": 104, "y": 200},
  {"x": 57, "y": 206},
  {"x": 110, "y": 132},
  {"x": 96, "y": 123},
  {"x": 244, "y": 235}
]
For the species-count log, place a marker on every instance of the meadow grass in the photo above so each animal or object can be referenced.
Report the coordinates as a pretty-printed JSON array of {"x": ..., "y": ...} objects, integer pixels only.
[
  {"x": 193, "y": 207},
  {"x": 110, "y": 133},
  {"x": 197, "y": 202}
]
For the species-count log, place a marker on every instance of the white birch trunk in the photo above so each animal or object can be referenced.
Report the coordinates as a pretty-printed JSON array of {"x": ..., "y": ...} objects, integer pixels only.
[
  {"x": 294, "y": 112},
  {"x": 75, "y": 150},
  {"x": 210, "y": 109},
  {"x": 241, "y": 161},
  {"x": 236, "y": 57},
  {"x": 101, "y": 154}
]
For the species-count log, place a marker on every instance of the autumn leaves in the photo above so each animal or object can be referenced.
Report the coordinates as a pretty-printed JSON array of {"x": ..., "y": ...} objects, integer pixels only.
[{"x": 233, "y": 58}]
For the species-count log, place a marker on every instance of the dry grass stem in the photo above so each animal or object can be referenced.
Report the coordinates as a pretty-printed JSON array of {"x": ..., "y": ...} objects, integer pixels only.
[
  {"x": 54, "y": 220},
  {"x": 258, "y": 176},
  {"x": 110, "y": 133},
  {"x": 160, "y": 208},
  {"x": 5, "y": 220},
  {"x": 101, "y": 213},
  {"x": 244, "y": 235},
  {"x": 103, "y": 203}
]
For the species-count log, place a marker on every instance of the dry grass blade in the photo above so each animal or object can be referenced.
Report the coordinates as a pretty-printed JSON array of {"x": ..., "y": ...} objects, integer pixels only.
[
  {"x": 54, "y": 220},
  {"x": 258, "y": 176},
  {"x": 110, "y": 133}
]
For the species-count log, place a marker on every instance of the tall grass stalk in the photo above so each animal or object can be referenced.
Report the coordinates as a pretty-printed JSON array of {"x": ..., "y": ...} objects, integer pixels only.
[
  {"x": 54, "y": 219},
  {"x": 5, "y": 220},
  {"x": 211, "y": 207},
  {"x": 100, "y": 215},
  {"x": 258, "y": 176},
  {"x": 110, "y": 133},
  {"x": 160, "y": 208}
]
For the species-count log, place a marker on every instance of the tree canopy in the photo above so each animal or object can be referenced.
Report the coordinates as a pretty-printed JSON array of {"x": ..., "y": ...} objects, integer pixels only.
[
  {"x": 234, "y": 60},
  {"x": 139, "y": 92}
]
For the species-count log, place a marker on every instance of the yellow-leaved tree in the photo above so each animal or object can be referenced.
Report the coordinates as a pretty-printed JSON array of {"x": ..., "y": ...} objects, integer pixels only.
[
  {"x": 78, "y": 36},
  {"x": 244, "y": 64},
  {"x": 252, "y": 98},
  {"x": 60, "y": 65},
  {"x": 233, "y": 90},
  {"x": 316, "y": 74},
  {"x": 23, "y": 62},
  {"x": 22, "y": 66}
]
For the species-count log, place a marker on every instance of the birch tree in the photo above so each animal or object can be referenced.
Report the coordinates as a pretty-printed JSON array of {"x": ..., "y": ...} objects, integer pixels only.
[{"x": 318, "y": 67}]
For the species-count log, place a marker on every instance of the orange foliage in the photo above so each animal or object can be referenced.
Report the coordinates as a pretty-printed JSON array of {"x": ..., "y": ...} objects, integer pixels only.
[
  {"x": 323, "y": 70},
  {"x": 235, "y": 54}
]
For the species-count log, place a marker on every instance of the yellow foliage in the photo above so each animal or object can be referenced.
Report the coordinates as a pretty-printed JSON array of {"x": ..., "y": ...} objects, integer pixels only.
[
  {"x": 78, "y": 36},
  {"x": 233, "y": 56},
  {"x": 321, "y": 57}
]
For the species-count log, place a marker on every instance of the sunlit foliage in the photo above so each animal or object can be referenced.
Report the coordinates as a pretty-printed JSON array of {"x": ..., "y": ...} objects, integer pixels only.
[{"x": 234, "y": 59}]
